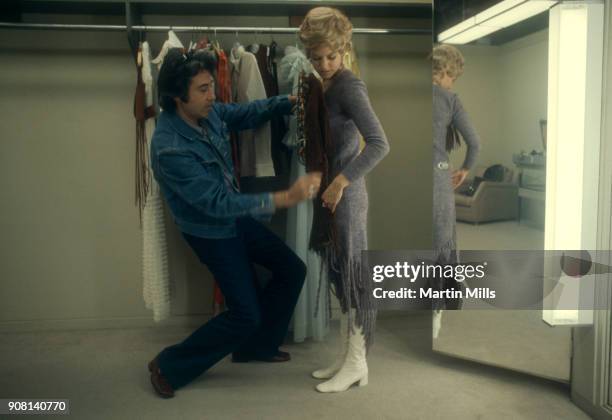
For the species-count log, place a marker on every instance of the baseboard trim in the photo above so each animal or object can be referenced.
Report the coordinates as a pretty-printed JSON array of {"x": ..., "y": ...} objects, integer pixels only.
[{"x": 101, "y": 323}]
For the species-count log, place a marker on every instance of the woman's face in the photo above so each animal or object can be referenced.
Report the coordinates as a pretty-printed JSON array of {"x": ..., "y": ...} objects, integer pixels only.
[
  {"x": 326, "y": 61},
  {"x": 444, "y": 80}
]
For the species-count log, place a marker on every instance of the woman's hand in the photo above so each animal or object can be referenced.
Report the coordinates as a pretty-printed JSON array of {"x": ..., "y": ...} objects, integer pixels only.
[
  {"x": 458, "y": 177},
  {"x": 333, "y": 194},
  {"x": 306, "y": 187}
]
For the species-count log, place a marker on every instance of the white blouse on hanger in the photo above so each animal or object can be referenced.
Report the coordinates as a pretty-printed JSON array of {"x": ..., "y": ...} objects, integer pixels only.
[
  {"x": 173, "y": 41},
  {"x": 155, "y": 276}
]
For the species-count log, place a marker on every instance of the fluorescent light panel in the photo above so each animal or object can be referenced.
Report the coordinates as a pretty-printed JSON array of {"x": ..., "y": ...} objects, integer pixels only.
[
  {"x": 575, "y": 65},
  {"x": 502, "y": 15},
  {"x": 470, "y": 35}
]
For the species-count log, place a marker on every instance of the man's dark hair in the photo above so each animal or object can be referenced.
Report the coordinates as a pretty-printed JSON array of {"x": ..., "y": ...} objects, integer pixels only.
[{"x": 177, "y": 71}]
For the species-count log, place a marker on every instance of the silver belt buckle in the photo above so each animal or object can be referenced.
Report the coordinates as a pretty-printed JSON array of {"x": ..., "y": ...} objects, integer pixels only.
[{"x": 442, "y": 165}]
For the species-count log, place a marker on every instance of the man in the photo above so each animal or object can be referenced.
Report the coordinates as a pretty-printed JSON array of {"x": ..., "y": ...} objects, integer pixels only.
[{"x": 191, "y": 160}]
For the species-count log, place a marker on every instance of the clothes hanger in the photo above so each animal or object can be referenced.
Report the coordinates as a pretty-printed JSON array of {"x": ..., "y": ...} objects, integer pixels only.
[
  {"x": 254, "y": 47},
  {"x": 271, "y": 59},
  {"x": 272, "y": 47},
  {"x": 237, "y": 44},
  {"x": 273, "y": 41},
  {"x": 205, "y": 42},
  {"x": 139, "y": 54},
  {"x": 192, "y": 44},
  {"x": 216, "y": 45}
]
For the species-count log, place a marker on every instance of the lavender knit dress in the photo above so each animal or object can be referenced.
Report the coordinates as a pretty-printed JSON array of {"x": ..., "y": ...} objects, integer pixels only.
[
  {"x": 448, "y": 110},
  {"x": 351, "y": 115}
]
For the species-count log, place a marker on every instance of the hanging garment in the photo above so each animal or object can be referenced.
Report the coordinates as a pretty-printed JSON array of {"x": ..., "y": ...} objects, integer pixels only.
[
  {"x": 142, "y": 112},
  {"x": 224, "y": 94},
  {"x": 266, "y": 61},
  {"x": 247, "y": 86},
  {"x": 156, "y": 289},
  {"x": 265, "y": 65},
  {"x": 202, "y": 43},
  {"x": 224, "y": 86},
  {"x": 307, "y": 322},
  {"x": 311, "y": 314},
  {"x": 172, "y": 42}
]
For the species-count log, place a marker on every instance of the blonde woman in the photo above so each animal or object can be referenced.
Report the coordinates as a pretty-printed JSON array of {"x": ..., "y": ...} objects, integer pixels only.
[
  {"x": 449, "y": 117},
  {"x": 326, "y": 34}
]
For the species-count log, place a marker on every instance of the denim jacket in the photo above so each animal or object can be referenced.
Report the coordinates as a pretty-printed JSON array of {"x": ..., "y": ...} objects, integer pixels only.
[{"x": 195, "y": 172}]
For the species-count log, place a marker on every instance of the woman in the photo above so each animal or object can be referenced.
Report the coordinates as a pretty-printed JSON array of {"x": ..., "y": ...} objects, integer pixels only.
[
  {"x": 326, "y": 34},
  {"x": 448, "y": 118}
]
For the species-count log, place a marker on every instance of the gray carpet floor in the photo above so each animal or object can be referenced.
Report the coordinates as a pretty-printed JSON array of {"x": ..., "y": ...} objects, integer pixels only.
[{"x": 104, "y": 375}]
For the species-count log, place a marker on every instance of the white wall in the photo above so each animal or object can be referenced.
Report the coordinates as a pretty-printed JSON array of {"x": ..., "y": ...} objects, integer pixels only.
[
  {"x": 504, "y": 89},
  {"x": 524, "y": 82},
  {"x": 479, "y": 91}
]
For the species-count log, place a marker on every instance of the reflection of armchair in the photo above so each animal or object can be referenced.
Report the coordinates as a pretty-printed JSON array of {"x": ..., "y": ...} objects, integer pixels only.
[{"x": 491, "y": 200}]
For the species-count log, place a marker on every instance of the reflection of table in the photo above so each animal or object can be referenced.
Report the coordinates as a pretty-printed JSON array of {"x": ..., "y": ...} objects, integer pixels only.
[
  {"x": 531, "y": 182},
  {"x": 529, "y": 194}
]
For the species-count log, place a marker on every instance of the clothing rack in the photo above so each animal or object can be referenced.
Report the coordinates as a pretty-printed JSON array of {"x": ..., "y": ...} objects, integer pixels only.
[{"x": 214, "y": 29}]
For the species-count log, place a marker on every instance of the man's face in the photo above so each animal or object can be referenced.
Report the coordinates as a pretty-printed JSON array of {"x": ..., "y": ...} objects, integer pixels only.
[{"x": 201, "y": 96}]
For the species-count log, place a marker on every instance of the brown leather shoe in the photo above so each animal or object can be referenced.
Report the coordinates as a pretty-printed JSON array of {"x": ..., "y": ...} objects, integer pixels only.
[
  {"x": 160, "y": 384},
  {"x": 280, "y": 356}
]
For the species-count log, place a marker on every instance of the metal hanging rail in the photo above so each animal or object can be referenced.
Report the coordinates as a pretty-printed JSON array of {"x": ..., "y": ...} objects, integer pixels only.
[{"x": 217, "y": 29}]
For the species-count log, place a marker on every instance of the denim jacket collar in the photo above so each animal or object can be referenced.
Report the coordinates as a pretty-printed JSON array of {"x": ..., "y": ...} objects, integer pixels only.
[
  {"x": 181, "y": 126},
  {"x": 188, "y": 131}
]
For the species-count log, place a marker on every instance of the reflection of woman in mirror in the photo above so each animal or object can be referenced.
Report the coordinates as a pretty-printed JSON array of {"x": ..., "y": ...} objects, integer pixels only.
[
  {"x": 449, "y": 117},
  {"x": 326, "y": 34}
]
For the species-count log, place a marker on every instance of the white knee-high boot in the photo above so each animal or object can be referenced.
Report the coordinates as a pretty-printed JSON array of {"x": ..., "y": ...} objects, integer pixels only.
[
  {"x": 330, "y": 371},
  {"x": 354, "y": 369}
]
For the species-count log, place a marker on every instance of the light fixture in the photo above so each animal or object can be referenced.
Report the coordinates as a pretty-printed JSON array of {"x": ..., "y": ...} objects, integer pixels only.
[
  {"x": 503, "y": 14},
  {"x": 575, "y": 62}
]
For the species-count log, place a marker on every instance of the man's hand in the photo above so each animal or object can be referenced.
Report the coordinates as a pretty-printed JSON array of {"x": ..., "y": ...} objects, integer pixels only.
[{"x": 306, "y": 187}]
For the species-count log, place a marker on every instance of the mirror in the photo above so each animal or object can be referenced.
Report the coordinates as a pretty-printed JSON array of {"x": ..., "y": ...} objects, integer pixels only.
[{"x": 504, "y": 90}]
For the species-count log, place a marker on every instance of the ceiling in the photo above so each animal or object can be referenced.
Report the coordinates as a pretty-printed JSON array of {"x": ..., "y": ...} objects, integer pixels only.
[{"x": 448, "y": 13}]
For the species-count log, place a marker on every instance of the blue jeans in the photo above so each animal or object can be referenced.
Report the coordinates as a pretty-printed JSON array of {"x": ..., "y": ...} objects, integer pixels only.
[{"x": 256, "y": 321}]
